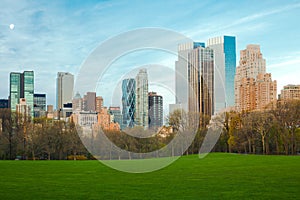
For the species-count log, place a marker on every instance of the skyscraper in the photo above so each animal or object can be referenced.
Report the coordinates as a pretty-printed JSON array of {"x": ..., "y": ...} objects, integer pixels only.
[
  {"x": 225, "y": 64},
  {"x": 195, "y": 78},
  {"x": 128, "y": 102},
  {"x": 99, "y": 103},
  {"x": 254, "y": 88},
  {"x": 39, "y": 105},
  {"x": 141, "y": 111},
  {"x": 14, "y": 90},
  {"x": 77, "y": 103},
  {"x": 22, "y": 86},
  {"x": 155, "y": 110},
  {"x": 64, "y": 89},
  {"x": 201, "y": 80},
  {"x": 89, "y": 101},
  {"x": 181, "y": 73}
]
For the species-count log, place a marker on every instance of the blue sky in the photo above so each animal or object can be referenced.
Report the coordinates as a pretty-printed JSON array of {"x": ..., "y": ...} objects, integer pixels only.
[{"x": 53, "y": 36}]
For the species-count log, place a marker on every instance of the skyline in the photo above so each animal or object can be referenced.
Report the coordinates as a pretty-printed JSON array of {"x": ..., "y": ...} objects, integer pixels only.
[{"x": 51, "y": 37}]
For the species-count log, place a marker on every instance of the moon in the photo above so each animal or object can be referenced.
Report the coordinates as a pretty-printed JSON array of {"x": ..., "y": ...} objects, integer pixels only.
[{"x": 11, "y": 26}]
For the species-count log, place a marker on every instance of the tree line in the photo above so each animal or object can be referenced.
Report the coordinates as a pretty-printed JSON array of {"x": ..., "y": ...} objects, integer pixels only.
[{"x": 272, "y": 131}]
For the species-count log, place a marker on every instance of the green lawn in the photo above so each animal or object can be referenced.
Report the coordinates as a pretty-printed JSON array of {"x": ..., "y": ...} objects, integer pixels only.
[{"x": 217, "y": 176}]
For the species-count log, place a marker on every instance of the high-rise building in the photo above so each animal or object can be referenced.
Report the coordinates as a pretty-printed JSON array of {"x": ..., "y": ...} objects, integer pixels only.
[
  {"x": 77, "y": 103},
  {"x": 181, "y": 73},
  {"x": 155, "y": 110},
  {"x": 39, "y": 105},
  {"x": 254, "y": 88},
  {"x": 141, "y": 106},
  {"x": 64, "y": 89},
  {"x": 23, "y": 108},
  {"x": 290, "y": 92},
  {"x": 128, "y": 102},
  {"x": 225, "y": 64},
  {"x": 201, "y": 80},
  {"x": 195, "y": 78},
  {"x": 21, "y": 86},
  {"x": 50, "y": 112},
  {"x": 251, "y": 64},
  {"x": 266, "y": 91},
  {"x": 89, "y": 101},
  {"x": 99, "y": 104}
]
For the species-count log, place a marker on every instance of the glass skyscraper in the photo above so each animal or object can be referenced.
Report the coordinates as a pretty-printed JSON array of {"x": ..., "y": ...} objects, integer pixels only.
[
  {"x": 225, "y": 66},
  {"x": 21, "y": 86},
  {"x": 28, "y": 89},
  {"x": 39, "y": 105},
  {"x": 128, "y": 102},
  {"x": 141, "y": 110},
  {"x": 155, "y": 110},
  {"x": 14, "y": 90}
]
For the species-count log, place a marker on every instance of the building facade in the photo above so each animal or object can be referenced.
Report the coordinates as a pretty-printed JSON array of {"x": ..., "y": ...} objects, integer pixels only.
[
  {"x": 254, "y": 88},
  {"x": 224, "y": 67},
  {"x": 182, "y": 86},
  {"x": 155, "y": 110},
  {"x": 21, "y": 86},
  {"x": 99, "y": 103},
  {"x": 290, "y": 92},
  {"x": 64, "y": 89},
  {"x": 23, "y": 109},
  {"x": 39, "y": 107},
  {"x": 128, "y": 102},
  {"x": 89, "y": 101},
  {"x": 200, "y": 80},
  {"x": 77, "y": 103},
  {"x": 116, "y": 116},
  {"x": 141, "y": 110}
]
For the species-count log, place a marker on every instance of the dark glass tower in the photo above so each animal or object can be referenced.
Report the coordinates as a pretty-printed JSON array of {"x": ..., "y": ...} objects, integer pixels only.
[{"x": 155, "y": 110}]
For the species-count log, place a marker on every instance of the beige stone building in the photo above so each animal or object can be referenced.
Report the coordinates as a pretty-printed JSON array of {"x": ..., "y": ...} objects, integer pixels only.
[
  {"x": 290, "y": 92},
  {"x": 254, "y": 88}
]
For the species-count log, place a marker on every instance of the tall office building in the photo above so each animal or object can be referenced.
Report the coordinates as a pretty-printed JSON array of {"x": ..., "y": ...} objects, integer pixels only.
[
  {"x": 89, "y": 101},
  {"x": 39, "y": 105},
  {"x": 181, "y": 73},
  {"x": 128, "y": 102},
  {"x": 254, "y": 88},
  {"x": 195, "y": 78},
  {"x": 77, "y": 103},
  {"x": 15, "y": 89},
  {"x": 22, "y": 86},
  {"x": 201, "y": 80},
  {"x": 64, "y": 89},
  {"x": 155, "y": 110},
  {"x": 290, "y": 92},
  {"x": 141, "y": 110},
  {"x": 99, "y": 104},
  {"x": 225, "y": 64}
]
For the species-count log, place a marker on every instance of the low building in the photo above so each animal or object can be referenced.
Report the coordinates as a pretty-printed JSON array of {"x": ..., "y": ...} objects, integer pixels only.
[{"x": 290, "y": 92}]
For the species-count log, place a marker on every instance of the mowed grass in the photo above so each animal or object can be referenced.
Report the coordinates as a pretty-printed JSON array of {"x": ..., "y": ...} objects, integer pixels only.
[{"x": 217, "y": 176}]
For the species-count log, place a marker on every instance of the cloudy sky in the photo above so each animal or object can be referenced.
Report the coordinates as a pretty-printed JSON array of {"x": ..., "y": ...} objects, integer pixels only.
[{"x": 53, "y": 36}]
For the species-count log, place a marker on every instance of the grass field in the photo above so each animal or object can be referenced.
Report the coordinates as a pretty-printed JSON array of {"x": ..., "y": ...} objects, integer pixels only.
[{"x": 217, "y": 176}]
